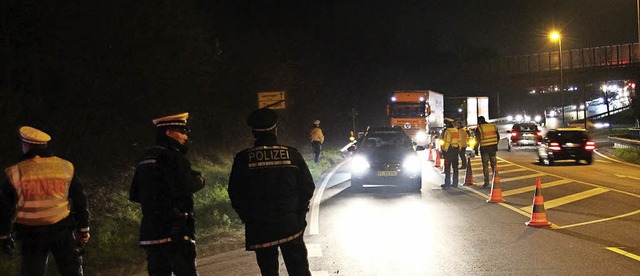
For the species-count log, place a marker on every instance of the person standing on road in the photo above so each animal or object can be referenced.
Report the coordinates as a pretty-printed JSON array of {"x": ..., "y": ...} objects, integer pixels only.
[
  {"x": 270, "y": 187},
  {"x": 317, "y": 139},
  {"x": 463, "y": 144},
  {"x": 48, "y": 206},
  {"x": 488, "y": 144},
  {"x": 164, "y": 184},
  {"x": 450, "y": 150}
]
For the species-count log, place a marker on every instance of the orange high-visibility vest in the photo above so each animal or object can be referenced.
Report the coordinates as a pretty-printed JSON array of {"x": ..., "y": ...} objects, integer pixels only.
[
  {"x": 42, "y": 185},
  {"x": 451, "y": 137},
  {"x": 488, "y": 134}
]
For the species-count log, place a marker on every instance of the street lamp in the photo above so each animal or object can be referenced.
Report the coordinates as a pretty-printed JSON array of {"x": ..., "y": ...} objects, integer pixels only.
[{"x": 554, "y": 35}]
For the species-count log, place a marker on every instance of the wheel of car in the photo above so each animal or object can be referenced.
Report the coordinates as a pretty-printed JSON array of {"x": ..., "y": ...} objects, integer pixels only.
[{"x": 589, "y": 160}]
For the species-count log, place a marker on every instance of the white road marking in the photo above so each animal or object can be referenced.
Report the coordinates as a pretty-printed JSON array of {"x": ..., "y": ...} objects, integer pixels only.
[
  {"x": 317, "y": 198},
  {"x": 314, "y": 249}
]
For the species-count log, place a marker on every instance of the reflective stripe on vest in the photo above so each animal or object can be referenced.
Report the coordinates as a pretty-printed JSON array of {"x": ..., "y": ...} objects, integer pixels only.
[
  {"x": 42, "y": 186},
  {"x": 489, "y": 134}
]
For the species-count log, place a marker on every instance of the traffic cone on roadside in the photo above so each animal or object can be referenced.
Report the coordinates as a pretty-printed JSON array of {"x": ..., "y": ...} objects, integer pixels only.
[
  {"x": 496, "y": 190},
  {"x": 430, "y": 153},
  {"x": 468, "y": 181},
  {"x": 538, "y": 214},
  {"x": 437, "y": 164}
]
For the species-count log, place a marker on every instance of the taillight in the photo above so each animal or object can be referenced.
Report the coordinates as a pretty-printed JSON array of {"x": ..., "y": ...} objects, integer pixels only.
[
  {"x": 554, "y": 146},
  {"x": 590, "y": 145},
  {"x": 514, "y": 134}
]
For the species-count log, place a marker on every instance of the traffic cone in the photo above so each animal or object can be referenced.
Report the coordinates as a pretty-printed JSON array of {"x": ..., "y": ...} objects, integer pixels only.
[
  {"x": 538, "y": 214},
  {"x": 496, "y": 190},
  {"x": 468, "y": 181},
  {"x": 437, "y": 164},
  {"x": 430, "y": 153}
]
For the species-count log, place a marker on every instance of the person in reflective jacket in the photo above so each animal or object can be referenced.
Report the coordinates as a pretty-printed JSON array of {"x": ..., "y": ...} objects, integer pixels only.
[
  {"x": 488, "y": 144},
  {"x": 270, "y": 187},
  {"x": 164, "y": 184},
  {"x": 48, "y": 206}
]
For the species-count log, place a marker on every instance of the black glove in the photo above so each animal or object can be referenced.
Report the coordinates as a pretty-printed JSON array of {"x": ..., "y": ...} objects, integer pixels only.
[{"x": 8, "y": 244}]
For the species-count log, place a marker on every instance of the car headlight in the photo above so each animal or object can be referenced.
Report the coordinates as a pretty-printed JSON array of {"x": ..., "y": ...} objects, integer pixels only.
[
  {"x": 472, "y": 143},
  {"x": 421, "y": 137},
  {"x": 411, "y": 164},
  {"x": 359, "y": 164}
]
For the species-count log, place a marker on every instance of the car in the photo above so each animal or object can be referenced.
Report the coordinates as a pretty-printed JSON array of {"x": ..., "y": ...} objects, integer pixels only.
[
  {"x": 386, "y": 156},
  {"x": 523, "y": 135},
  {"x": 566, "y": 144}
]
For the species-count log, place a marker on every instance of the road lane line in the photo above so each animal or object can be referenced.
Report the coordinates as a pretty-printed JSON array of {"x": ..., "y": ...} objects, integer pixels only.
[
  {"x": 533, "y": 187},
  {"x": 624, "y": 253},
  {"x": 521, "y": 177},
  {"x": 598, "y": 220},
  {"x": 512, "y": 170},
  {"x": 572, "y": 198},
  {"x": 626, "y": 176},
  {"x": 314, "y": 250},
  {"x": 317, "y": 198}
]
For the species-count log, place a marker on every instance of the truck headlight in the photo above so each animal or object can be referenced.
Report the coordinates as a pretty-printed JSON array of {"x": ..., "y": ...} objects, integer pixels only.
[
  {"x": 411, "y": 164},
  {"x": 421, "y": 137},
  {"x": 359, "y": 164}
]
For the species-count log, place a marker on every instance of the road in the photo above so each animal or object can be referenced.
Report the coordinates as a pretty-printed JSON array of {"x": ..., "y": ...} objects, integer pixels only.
[{"x": 594, "y": 211}]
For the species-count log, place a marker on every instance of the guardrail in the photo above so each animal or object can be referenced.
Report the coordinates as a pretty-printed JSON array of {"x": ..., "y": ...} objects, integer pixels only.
[{"x": 624, "y": 143}]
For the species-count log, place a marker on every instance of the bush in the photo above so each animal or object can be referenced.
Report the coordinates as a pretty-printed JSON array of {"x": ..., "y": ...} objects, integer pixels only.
[{"x": 631, "y": 155}]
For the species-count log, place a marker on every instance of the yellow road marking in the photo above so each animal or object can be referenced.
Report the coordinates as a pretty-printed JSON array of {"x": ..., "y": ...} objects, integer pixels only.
[
  {"x": 572, "y": 198},
  {"x": 521, "y": 177},
  {"x": 533, "y": 187},
  {"x": 599, "y": 220},
  {"x": 513, "y": 170},
  {"x": 624, "y": 253}
]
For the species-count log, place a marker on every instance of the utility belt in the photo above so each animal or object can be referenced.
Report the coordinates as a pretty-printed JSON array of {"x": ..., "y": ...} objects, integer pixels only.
[
  {"x": 165, "y": 240},
  {"x": 66, "y": 224}
]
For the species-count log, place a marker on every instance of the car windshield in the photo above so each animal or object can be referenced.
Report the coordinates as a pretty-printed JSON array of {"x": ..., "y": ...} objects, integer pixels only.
[
  {"x": 387, "y": 140},
  {"x": 529, "y": 128},
  {"x": 567, "y": 136}
]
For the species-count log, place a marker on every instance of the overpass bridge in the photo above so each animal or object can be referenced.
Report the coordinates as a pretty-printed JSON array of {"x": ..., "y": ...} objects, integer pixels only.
[{"x": 511, "y": 81}]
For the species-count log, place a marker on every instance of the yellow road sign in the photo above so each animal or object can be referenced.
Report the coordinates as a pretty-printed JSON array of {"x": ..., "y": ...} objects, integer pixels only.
[{"x": 272, "y": 100}]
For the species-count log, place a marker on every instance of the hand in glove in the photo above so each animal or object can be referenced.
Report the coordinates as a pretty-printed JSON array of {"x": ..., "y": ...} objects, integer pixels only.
[
  {"x": 8, "y": 244},
  {"x": 82, "y": 238}
]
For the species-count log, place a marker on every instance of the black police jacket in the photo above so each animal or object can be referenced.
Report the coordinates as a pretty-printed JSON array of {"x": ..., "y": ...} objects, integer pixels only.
[
  {"x": 164, "y": 184},
  {"x": 270, "y": 187}
]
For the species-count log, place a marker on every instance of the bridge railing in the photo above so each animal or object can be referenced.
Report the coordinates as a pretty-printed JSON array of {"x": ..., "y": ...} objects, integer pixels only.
[{"x": 572, "y": 59}]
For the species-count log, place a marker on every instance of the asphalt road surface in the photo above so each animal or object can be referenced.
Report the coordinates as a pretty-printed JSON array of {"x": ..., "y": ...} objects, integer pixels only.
[{"x": 594, "y": 211}]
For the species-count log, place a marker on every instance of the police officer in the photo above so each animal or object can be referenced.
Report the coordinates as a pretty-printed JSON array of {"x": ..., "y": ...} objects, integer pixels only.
[
  {"x": 450, "y": 150},
  {"x": 164, "y": 184},
  {"x": 317, "y": 139},
  {"x": 463, "y": 144},
  {"x": 49, "y": 205},
  {"x": 488, "y": 145},
  {"x": 270, "y": 187}
]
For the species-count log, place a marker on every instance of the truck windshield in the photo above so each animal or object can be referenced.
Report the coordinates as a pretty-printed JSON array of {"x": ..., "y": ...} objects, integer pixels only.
[{"x": 407, "y": 110}]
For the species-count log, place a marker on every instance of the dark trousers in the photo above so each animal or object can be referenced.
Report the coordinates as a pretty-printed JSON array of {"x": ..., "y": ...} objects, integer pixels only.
[
  {"x": 178, "y": 257},
  {"x": 317, "y": 148},
  {"x": 488, "y": 157},
  {"x": 36, "y": 246},
  {"x": 451, "y": 160},
  {"x": 294, "y": 254},
  {"x": 463, "y": 157}
]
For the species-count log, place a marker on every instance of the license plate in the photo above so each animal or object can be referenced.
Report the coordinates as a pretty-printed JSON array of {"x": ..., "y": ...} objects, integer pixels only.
[{"x": 387, "y": 173}]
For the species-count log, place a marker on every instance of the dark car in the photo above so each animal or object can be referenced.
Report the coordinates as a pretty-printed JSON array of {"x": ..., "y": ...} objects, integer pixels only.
[
  {"x": 566, "y": 144},
  {"x": 524, "y": 135},
  {"x": 386, "y": 156}
]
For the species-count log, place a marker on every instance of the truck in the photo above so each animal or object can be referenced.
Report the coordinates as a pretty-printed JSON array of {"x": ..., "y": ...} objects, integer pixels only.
[{"x": 419, "y": 112}]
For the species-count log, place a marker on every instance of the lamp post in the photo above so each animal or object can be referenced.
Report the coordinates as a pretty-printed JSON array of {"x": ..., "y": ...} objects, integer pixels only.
[{"x": 556, "y": 36}]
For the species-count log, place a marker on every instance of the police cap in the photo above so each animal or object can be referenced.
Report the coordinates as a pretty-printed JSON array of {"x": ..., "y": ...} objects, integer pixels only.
[
  {"x": 177, "y": 120},
  {"x": 263, "y": 119},
  {"x": 33, "y": 136}
]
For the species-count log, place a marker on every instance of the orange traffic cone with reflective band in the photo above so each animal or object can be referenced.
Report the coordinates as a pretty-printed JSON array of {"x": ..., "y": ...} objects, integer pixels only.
[
  {"x": 538, "y": 214},
  {"x": 437, "y": 164},
  {"x": 496, "y": 190},
  {"x": 468, "y": 181},
  {"x": 430, "y": 153}
]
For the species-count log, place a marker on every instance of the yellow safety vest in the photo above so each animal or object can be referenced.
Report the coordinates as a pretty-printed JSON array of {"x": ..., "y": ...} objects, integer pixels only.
[
  {"x": 316, "y": 135},
  {"x": 42, "y": 185},
  {"x": 488, "y": 134},
  {"x": 451, "y": 137}
]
